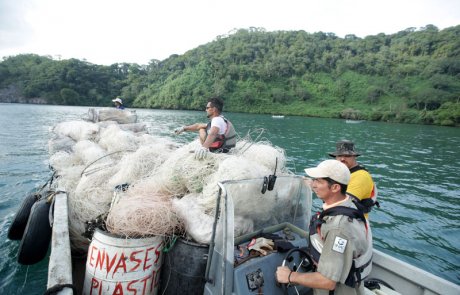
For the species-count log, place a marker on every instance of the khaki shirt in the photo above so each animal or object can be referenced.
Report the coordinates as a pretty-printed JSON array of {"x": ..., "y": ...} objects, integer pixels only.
[{"x": 344, "y": 239}]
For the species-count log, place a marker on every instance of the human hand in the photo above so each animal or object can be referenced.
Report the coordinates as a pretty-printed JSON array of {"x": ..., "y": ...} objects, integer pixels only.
[
  {"x": 261, "y": 245},
  {"x": 201, "y": 153},
  {"x": 179, "y": 130},
  {"x": 282, "y": 274}
]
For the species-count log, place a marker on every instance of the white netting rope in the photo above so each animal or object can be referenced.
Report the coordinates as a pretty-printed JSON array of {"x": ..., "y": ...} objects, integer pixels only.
[
  {"x": 91, "y": 159},
  {"x": 143, "y": 215}
]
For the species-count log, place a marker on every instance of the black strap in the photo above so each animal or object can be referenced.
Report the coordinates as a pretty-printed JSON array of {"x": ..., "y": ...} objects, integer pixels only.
[
  {"x": 341, "y": 210},
  {"x": 357, "y": 168},
  {"x": 59, "y": 287},
  {"x": 364, "y": 205}
]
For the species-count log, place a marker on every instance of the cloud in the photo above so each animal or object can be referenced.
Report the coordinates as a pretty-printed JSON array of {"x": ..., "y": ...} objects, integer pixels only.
[
  {"x": 136, "y": 31},
  {"x": 14, "y": 28}
]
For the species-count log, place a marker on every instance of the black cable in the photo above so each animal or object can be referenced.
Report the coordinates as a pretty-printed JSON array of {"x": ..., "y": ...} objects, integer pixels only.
[{"x": 373, "y": 283}]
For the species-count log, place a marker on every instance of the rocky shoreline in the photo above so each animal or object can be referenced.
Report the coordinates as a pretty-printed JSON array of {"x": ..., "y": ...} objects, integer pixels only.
[{"x": 12, "y": 94}]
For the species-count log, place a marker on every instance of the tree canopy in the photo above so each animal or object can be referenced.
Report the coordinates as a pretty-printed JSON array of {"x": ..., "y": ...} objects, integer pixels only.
[{"x": 411, "y": 76}]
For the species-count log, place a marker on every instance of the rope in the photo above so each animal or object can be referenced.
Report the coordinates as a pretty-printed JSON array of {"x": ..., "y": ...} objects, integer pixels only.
[
  {"x": 50, "y": 181},
  {"x": 102, "y": 158},
  {"x": 169, "y": 244},
  {"x": 250, "y": 141}
]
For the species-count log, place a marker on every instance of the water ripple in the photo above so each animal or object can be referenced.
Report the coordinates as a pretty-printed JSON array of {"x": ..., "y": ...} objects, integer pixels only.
[{"x": 414, "y": 166}]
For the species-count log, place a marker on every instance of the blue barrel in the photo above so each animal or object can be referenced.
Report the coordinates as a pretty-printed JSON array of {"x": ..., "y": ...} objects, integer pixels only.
[{"x": 184, "y": 267}]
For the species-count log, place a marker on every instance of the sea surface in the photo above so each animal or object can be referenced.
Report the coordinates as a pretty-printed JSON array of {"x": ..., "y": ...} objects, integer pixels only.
[{"x": 416, "y": 169}]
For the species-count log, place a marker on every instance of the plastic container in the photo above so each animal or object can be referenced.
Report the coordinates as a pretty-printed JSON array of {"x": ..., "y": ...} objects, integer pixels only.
[
  {"x": 123, "y": 266},
  {"x": 184, "y": 267}
]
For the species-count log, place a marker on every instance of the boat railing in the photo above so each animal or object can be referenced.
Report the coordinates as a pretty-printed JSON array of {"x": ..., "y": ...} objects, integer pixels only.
[{"x": 60, "y": 264}]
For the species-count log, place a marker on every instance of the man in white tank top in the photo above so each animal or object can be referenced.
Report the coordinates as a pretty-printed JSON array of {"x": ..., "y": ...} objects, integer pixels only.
[{"x": 211, "y": 134}]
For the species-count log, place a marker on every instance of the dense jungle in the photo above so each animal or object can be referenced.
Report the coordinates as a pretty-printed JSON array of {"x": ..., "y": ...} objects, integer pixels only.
[{"x": 412, "y": 76}]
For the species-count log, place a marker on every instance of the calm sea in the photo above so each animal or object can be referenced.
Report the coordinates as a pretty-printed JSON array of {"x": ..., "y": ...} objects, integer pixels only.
[{"x": 416, "y": 169}]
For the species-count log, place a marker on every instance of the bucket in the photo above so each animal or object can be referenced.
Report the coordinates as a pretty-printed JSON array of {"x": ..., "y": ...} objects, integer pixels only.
[
  {"x": 183, "y": 269},
  {"x": 118, "y": 265}
]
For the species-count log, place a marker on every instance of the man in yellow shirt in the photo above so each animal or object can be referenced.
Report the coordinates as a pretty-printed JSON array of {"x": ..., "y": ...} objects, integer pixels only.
[{"x": 361, "y": 186}]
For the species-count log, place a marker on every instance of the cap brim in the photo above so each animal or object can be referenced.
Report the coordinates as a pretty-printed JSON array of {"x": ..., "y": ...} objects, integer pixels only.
[
  {"x": 333, "y": 155},
  {"x": 315, "y": 173}
]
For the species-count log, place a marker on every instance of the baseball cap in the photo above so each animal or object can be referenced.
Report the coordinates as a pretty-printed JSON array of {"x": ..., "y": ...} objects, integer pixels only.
[{"x": 333, "y": 169}]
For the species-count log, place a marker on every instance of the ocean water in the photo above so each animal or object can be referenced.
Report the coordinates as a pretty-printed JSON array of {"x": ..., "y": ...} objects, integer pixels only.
[{"x": 415, "y": 168}]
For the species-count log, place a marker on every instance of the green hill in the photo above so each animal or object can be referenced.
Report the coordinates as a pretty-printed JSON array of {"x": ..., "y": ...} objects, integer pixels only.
[{"x": 411, "y": 76}]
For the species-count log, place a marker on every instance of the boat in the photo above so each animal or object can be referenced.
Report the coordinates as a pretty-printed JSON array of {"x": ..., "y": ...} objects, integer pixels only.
[
  {"x": 225, "y": 268},
  {"x": 277, "y": 116},
  {"x": 218, "y": 262},
  {"x": 353, "y": 121}
]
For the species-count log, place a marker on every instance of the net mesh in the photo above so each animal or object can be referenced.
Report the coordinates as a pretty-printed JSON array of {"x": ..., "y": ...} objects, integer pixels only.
[{"x": 168, "y": 192}]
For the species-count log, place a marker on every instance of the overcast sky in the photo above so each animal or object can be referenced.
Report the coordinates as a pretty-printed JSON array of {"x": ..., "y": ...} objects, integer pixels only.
[{"x": 137, "y": 31}]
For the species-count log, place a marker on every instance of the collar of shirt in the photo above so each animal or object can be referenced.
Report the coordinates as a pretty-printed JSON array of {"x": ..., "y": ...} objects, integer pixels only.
[{"x": 325, "y": 206}]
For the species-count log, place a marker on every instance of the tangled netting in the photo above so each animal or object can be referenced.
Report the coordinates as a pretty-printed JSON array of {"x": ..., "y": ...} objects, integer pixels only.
[
  {"x": 166, "y": 190},
  {"x": 154, "y": 217}
]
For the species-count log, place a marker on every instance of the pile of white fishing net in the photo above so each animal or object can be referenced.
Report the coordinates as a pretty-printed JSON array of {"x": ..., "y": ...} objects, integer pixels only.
[{"x": 167, "y": 191}]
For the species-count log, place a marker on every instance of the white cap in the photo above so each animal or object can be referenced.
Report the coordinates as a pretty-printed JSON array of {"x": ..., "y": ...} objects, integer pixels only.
[
  {"x": 117, "y": 100},
  {"x": 333, "y": 169}
]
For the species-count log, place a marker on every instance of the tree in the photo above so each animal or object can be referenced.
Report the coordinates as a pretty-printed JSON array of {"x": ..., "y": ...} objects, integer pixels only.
[{"x": 69, "y": 96}]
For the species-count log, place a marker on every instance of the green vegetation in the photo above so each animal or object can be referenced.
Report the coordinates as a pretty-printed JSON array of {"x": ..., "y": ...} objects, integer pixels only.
[{"x": 411, "y": 76}]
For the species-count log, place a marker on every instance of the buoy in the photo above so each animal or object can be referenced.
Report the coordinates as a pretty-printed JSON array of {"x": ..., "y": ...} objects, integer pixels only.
[
  {"x": 16, "y": 230},
  {"x": 37, "y": 234}
]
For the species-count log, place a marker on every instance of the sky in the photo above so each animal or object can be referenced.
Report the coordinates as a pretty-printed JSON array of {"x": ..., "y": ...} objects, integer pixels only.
[{"x": 136, "y": 31}]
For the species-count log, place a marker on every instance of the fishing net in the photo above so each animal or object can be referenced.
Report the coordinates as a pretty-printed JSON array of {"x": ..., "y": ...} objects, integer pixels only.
[
  {"x": 89, "y": 151},
  {"x": 166, "y": 191},
  {"x": 198, "y": 224},
  {"x": 181, "y": 173},
  {"x": 60, "y": 143},
  {"x": 119, "y": 116},
  {"x": 234, "y": 168},
  {"x": 62, "y": 159},
  {"x": 143, "y": 215},
  {"x": 113, "y": 139},
  {"x": 77, "y": 130},
  {"x": 139, "y": 164}
]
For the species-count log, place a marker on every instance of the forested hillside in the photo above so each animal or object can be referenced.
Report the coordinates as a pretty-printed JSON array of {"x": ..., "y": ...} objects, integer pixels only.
[{"x": 412, "y": 76}]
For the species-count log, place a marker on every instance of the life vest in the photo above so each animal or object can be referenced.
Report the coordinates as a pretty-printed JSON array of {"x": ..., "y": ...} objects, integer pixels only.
[
  {"x": 223, "y": 142},
  {"x": 365, "y": 204},
  {"x": 361, "y": 266}
]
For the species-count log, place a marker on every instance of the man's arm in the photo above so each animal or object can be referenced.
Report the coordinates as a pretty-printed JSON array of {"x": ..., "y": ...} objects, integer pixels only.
[
  {"x": 313, "y": 280},
  {"x": 212, "y": 134},
  {"x": 194, "y": 127}
]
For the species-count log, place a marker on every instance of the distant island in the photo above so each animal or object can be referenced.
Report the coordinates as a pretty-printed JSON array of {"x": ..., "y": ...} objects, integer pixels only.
[{"x": 410, "y": 77}]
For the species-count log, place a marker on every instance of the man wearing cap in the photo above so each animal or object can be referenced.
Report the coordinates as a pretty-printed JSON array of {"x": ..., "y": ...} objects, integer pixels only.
[
  {"x": 118, "y": 103},
  {"x": 361, "y": 185},
  {"x": 340, "y": 240}
]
